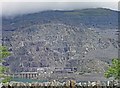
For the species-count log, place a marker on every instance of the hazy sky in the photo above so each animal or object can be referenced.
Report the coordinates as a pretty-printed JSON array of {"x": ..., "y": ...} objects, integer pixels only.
[{"x": 16, "y": 7}]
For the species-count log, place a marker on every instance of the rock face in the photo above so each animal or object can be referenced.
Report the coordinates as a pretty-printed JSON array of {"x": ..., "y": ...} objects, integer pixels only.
[{"x": 59, "y": 44}]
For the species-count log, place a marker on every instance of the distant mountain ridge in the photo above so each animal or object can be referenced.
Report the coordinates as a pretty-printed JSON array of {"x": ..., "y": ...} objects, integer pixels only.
[{"x": 94, "y": 17}]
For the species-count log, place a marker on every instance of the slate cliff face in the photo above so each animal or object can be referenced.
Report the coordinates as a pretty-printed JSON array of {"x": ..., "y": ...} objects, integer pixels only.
[{"x": 83, "y": 39}]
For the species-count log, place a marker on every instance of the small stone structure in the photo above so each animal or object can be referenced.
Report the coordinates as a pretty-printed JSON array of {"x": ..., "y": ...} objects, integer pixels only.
[{"x": 27, "y": 75}]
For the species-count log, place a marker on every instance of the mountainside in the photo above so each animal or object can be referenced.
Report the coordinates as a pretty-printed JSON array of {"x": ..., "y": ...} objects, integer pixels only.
[
  {"x": 94, "y": 17},
  {"x": 82, "y": 39}
]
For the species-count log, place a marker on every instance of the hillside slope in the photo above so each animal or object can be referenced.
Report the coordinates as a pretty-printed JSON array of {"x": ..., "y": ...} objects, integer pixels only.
[{"x": 83, "y": 39}]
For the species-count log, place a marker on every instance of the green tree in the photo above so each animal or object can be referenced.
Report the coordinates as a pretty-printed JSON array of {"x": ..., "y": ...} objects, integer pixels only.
[
  {"x": 114, "y": 69},
  {"x": 3, "y": 54}
]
